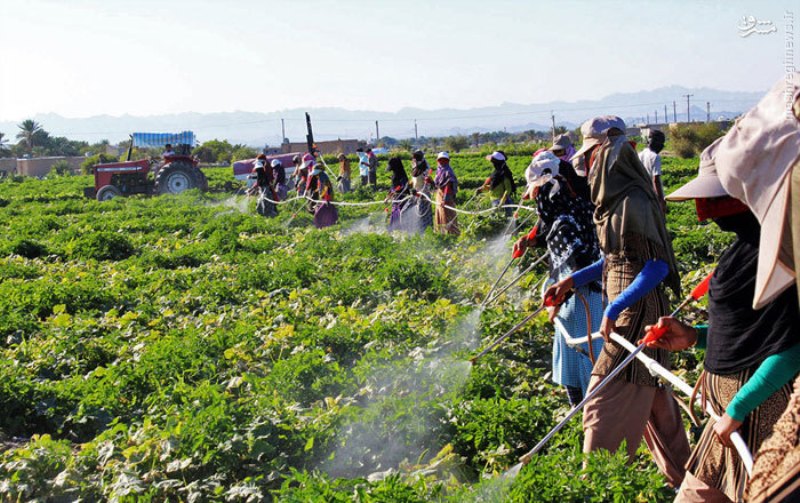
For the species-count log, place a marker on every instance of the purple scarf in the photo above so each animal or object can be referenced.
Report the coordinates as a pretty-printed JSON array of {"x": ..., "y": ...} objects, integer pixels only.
[{"x": 444, "y": 176}]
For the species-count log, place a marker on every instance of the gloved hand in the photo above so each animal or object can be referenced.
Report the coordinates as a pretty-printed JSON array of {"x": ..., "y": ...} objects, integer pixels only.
[{"x": 520, "y": 246}]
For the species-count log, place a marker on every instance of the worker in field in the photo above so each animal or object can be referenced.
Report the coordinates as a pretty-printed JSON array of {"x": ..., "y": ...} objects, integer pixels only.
[
  {"x": 263, "y": 187},
  {"x": 363, "y": 166},
  {"x": 168, "y": 152},
  {"x": 565, "y": 228},
  {"x": 344, "y": 174},
  {"x": 320, "y": 194},
  {"x": 420, "y": 170},
  {"x": 637, "y": 264},
  {"x": 399, "y": 195},
  {"x": 758, "y": 162},
  {"x": 301, "y": 171},
  {"x": 651, "y": 160},
  {"x": 372, "y": 160},
  {"x": 501, "y": 183},
  {"x": 446, "y": 183},
  {"x": 562, "y": 147},
  {"x": 279, "y": 179},
  {"x": 421, "y": 187},
  {"x": 751, "y": 356}
]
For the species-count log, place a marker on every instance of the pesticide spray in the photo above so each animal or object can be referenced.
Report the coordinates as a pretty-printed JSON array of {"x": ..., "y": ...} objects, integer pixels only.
[{"x": 394, "y": 427}]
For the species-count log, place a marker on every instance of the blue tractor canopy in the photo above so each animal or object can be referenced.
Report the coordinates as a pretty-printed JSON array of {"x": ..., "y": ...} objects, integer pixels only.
[{"x": 158, "y": 140}]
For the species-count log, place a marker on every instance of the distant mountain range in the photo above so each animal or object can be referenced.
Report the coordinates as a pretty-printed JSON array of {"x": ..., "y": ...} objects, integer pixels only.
[{"x": 258, "y": 129}]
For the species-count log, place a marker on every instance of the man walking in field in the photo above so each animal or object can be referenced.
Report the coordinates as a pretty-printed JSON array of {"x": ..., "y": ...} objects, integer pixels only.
[{"x": 651, "y": 160}]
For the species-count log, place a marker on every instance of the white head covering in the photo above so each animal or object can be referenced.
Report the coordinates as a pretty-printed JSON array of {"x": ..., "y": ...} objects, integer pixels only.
[
  {"x": 535, "y": 172},
  {"x": 754, "y": 161}
]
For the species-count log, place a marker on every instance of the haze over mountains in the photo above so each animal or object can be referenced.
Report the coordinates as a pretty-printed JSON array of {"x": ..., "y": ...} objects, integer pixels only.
[{"x": 257, "y": 128}]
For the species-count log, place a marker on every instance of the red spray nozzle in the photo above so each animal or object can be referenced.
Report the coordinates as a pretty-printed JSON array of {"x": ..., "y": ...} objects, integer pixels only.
[
  {"x": 654, "y": 334},
  {"x": 549, "y": 301},
  {"x": 701, "y": 289},
  {"x": 517, "y": 253},
  {"x": 532, "y": 234}
]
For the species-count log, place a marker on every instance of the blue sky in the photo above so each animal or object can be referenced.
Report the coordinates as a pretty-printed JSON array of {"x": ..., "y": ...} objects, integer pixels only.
[{"x": 90, "y": 57}]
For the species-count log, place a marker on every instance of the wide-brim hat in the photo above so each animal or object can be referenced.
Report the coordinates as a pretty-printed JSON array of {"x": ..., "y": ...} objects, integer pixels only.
[
  {"x": 754, "y": 164},
  {"x": 707, "y": 183}
]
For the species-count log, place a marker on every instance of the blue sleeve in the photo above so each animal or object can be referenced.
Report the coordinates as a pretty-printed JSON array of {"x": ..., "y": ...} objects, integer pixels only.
[
  {"x": 588, "y": 274},
  {"x": 653, "y": 272}
]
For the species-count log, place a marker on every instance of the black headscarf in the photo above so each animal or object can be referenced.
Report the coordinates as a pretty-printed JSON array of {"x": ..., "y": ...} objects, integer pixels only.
[
  {"x": 399, "y": 177},
  {"x": 501, "y": 171},
  {"x": 738, "y": 336}
]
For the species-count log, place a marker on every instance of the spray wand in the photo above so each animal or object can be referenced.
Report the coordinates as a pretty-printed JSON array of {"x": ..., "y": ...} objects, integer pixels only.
[
  {"x": 514, "y": 256},
  {"x": 548, "y": 302},
  {"x": 651, "y": 336},
  {"x": 656, "y": 331}
]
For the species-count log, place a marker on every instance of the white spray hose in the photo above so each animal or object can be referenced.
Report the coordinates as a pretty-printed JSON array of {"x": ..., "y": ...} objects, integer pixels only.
[{"x": 656, "y": 369}]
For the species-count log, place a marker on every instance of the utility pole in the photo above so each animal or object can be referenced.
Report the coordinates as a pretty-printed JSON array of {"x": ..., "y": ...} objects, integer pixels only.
[
  {"x": 648, "y": 119},
  {"x": 283, "y": 131},
  {"x": 377, "y": 132},
  {"x": 666, "y": 117},
  {"x": 674, "y": 111},
  {"x": 688, "y": 115},
  {"x": 416, "y": 133},
  {"x": 708, "y": 111},
  {"x": 553, "y": 118},
  {"x": 656, "y": 112}
]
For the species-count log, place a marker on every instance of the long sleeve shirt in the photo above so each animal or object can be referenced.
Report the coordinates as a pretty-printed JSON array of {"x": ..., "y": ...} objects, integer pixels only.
[{"x": 653, "y": 273}]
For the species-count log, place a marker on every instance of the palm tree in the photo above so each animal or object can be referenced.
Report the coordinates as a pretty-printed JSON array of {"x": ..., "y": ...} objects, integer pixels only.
[
  {"x": 29, "y": 129},
  {"x": 3, "y": 144}
]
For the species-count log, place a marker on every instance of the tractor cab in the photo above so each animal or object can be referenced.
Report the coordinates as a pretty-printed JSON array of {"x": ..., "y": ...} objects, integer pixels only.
[{"x": 172, "y": 174}]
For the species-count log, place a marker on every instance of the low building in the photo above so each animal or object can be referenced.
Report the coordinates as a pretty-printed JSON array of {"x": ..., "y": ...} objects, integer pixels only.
[
  {"x": 41, "y": 166},
  {"x": 8, "y": 166}
]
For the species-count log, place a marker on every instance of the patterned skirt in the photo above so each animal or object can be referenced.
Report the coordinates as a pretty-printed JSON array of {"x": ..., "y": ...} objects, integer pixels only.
[
  {"x": 713, "y": 463},
  {"x": 776, "y": 473}
]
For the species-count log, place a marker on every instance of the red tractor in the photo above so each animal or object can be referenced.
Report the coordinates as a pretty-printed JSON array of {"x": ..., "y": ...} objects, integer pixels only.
[{"x": 178, "y": 170}]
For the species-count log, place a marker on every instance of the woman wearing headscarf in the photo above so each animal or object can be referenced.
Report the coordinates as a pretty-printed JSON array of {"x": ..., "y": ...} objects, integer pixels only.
[
  {"x": 563, "y": 148},
  {"x": 279, "y": 176},
  {"x": 446, "y": 183},
  {"x": 420, "y": 170},
  {"x": 320, "y": 194},
  {"x": 300, "y": 175},
  {"x": 637, "y": 259},
  {"x": 398, "y": 194},
  {"x": 501, "y": 183},
  {"x": 263, "y": 187},
  {"x": 751, "y": 355},
  {"x": 344, "y": 173},
  {"x": 566, "y": 229}
]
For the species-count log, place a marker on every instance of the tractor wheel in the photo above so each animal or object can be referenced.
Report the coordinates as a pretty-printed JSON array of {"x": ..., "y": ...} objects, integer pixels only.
[
  {"x": 200, "y": 179},
  {"x": 175, "y": 178},
  {"x": 108, "y": 192}
]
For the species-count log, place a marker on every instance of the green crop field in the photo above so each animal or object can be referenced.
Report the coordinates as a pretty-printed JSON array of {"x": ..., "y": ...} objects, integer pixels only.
[{"x": 184, "y": 348}]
